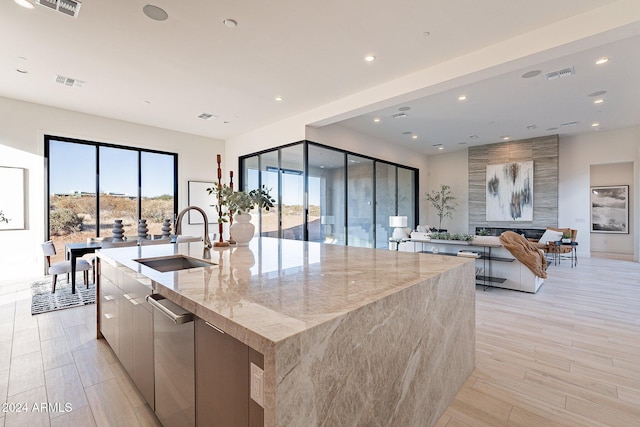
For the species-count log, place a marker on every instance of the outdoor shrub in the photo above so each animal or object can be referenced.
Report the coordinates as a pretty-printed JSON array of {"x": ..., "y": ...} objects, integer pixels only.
[{"x": 64, "y": 221}]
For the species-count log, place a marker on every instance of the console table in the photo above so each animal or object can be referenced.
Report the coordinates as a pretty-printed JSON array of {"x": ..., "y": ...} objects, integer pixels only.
[{"x": 495, "y": 266}]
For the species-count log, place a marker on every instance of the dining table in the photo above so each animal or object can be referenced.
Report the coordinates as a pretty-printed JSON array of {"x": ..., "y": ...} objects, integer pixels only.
[{"x": 73, "y": 251}]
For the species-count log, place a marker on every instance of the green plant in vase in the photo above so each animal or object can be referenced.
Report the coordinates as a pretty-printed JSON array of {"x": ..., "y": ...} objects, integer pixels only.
[
  {"x": 443, "y": 201},
  {"x": 239, "y": 204}
]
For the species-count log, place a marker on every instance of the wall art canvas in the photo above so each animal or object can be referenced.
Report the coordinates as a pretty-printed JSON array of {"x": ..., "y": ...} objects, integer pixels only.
[
  {"x": 11, "y": 198},
  {"x": 510, "y": 192},
  {"x": 198, "y": 196},
  {"x": 610, "y": 209}
]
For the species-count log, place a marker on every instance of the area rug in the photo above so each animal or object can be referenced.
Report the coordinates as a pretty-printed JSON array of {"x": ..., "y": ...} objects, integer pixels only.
[{"x": 43, "y": 301}]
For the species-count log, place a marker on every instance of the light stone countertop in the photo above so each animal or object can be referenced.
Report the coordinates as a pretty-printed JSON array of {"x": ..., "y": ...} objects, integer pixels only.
[{"x": 274, "y": 289}]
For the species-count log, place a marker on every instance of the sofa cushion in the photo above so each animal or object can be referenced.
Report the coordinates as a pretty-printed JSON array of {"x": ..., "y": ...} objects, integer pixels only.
[{"x": 550, "y": 236}]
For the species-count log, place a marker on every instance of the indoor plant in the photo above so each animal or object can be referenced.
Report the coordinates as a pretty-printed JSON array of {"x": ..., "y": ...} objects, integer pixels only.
[
  {"x": 239, "y": 204},
  {"x": 443, "y": 202}
]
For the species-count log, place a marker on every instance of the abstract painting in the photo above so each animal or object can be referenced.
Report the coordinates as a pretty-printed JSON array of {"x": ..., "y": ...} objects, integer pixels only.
[
  {"x": 610, "y": 209},
  {"x": 510, "y": 191},
  {"x": 11, "y": 198}
]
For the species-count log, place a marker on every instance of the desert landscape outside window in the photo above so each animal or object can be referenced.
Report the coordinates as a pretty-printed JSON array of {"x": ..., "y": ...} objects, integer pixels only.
[{"x": 92, "y": 184}]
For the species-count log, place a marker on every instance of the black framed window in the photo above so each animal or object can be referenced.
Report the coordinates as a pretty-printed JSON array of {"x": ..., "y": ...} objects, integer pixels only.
[
  {"x": 330, "y": 195},
  {"x": 91, "y": 184}
]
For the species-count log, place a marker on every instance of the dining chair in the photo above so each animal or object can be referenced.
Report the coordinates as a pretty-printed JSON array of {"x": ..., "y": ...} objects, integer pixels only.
[{"x": 63, "y": 267}]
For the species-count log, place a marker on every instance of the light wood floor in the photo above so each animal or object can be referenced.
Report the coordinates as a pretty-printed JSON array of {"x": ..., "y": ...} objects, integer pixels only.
[{"x": 568, "y": 355}]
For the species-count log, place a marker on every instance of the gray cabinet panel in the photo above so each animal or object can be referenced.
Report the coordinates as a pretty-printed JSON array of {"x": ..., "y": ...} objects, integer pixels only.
[{"x": 222, "y": 381}]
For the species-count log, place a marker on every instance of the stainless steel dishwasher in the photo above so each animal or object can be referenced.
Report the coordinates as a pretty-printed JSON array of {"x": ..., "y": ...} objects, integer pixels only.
[{"x": 173, "y": 347}]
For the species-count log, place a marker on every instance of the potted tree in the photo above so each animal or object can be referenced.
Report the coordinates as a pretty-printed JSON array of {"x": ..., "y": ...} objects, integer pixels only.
[{"x": 443, "y": 202}]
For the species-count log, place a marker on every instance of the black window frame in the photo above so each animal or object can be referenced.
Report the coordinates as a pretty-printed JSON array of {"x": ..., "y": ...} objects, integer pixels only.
[{"x": 47, "y": 142}]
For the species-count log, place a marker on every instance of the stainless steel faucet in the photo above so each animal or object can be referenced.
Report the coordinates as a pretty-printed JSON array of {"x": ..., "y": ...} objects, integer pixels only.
[{"x": 205, "y": 238}]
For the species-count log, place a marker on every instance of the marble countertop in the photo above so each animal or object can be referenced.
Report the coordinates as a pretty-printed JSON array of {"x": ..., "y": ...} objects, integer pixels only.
[{"x": 274, "y": 289}]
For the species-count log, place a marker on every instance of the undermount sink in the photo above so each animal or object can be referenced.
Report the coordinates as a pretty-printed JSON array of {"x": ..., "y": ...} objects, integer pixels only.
[{"x": 173, "y": 263}]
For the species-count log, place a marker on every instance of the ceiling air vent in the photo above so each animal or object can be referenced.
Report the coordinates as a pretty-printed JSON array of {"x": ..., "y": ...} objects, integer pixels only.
[
  {"x": 207, "y": 116},
  {"x": 68, "y": 81},
  {"x": 565, "y": 72},
  {"x": 68, "y": 7}
]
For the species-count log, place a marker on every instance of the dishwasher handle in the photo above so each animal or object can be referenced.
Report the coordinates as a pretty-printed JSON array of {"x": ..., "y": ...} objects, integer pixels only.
[{"x": 177, "y": 314}]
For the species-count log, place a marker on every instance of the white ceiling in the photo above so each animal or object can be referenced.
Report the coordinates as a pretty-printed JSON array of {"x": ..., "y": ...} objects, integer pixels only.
[
  {"x": 311, "y": 53},
  {"x": 513, "y": 107}
]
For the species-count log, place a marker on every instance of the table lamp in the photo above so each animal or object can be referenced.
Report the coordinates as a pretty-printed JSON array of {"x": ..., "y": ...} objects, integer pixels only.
[{"x": 399, "y": 222}]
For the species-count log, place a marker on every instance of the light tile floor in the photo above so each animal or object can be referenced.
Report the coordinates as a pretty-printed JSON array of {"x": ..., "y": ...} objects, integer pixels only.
[{"x": 54, "y": 372}]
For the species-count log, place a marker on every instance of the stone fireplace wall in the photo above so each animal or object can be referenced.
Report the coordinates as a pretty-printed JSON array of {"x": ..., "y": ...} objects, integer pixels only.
[{"x": 544, "y": 153}]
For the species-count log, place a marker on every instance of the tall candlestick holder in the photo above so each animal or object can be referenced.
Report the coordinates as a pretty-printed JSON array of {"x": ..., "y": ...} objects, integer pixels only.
[
  {"x": 220, "y": 242},
  {"x": 231, "y": 241}
]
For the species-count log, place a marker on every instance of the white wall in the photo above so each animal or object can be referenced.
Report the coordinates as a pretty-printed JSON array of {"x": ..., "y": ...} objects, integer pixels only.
[
  {"x": 22, "y": 145},
  {"x": 451, "y": 169},
  {"x": 577, "y": 155},
  {"x": 609, "y": 245}
]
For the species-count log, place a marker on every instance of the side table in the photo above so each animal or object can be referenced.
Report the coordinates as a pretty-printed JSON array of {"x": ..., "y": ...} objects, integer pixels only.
[{"x": 573, "y": 254}]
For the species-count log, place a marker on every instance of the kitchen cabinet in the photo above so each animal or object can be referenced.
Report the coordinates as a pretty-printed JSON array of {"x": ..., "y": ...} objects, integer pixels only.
[
  {"x": 222, "y": 380},
  {"x": 126, "y": 322},
  {"x": 109, "y": 314}
]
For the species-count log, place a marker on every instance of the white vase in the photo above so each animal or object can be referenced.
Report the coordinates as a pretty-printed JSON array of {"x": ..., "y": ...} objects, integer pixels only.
[{"x": 242, "y": 230}]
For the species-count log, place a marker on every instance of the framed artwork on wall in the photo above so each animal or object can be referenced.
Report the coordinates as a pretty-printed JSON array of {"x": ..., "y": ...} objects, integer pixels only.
[
  {"x": 509, "y": 190},
  {"x": 11, "y": 198},
  {"x": 610, "y": 209},
  {"x": 198, "y": 196}
]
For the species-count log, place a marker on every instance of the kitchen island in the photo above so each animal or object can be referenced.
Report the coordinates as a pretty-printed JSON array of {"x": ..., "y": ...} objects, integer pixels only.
[{"x": 346, "y": 336}]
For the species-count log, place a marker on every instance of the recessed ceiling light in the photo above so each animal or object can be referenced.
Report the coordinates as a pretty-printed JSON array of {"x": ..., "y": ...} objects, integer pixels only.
[
  {"x": 377, "y": 120},
  {"x": 399, "y": 115},
  {"x": 407, "y": 133},
  {"x": 415, "y": 137},
  {"x": 595, "y": 124},
  {"x": 155, "y": 13},
  {"x": 279, "y": 98},
  {"x": 147, "y": 102},
  {"x": 426, "y": 34},
  {"x": 462, "y": 143},
  {"x": 462, "y": 97},
  {"x": 597, "y": 93},
  {"x": 440, "y": 148},
  {"x": 598, "y": 101},
  {"x": 22, "y": 70},
  {"x": 404, "y": 108},
  {"x": 602, "y": 61},
  {"x": 369, "y": 58},
  {"x": 531, "y": 127},
  {"x": 24, "y": 3},
  {"x": 437, "y": 145},
  {"x": 473, "y": 136},
  {"x": 231, "y": 23},
  {"x": 552, "y": 128},
  {"x": 505, "y": 138},
  {"x": 530, "y": 74}
]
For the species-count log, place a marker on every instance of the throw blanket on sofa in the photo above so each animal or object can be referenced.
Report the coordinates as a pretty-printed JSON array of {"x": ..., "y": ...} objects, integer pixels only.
[{"x": 525, "y": 252}]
